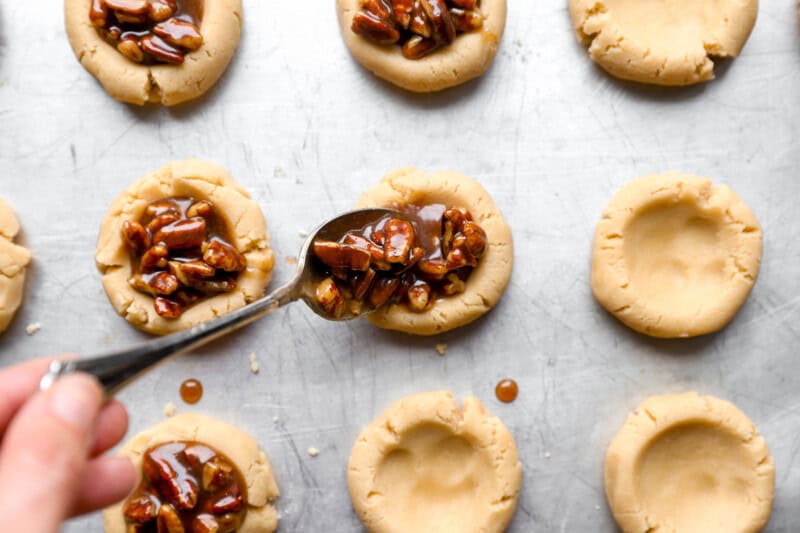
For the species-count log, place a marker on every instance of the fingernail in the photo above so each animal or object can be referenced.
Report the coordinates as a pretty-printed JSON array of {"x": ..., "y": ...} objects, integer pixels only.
[{"x": 76, "y": 400}]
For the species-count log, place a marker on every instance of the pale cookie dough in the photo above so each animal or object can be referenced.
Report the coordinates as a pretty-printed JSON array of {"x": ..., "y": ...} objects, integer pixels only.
[
  {"x": 221, "y": 27},
  {"x": 689, "y": 464},
  {"x": 488, "y": 280},
  {"x": 663, "y": 42},
  {"x": 426, "y": 464},
  {"x": 201, "y": 180},
  {"x": 468, "y": 57},
  {"x": 237, "y": 446},
  {"x": 675, "y": 256},
  {"x": 13, "y": 262}
]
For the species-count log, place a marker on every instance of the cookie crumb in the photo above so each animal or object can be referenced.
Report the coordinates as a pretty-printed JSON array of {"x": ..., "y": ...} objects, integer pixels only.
[
  {"x": 291, "y": 260},
  {"x": 32, "y": 328},
  {"x": 302, "y": 233},
  {"x": 441, "y": 348},
  {"x": 547, "y": 455},
  {"x": 169, "y": 409},
  {"x": 596, "y": 507},
  {"x": 313, "y": 452},
  {"x": 254, "y": 367},
  {"x": 275, "y": 419},
  {"x": 278, "y": 172}
]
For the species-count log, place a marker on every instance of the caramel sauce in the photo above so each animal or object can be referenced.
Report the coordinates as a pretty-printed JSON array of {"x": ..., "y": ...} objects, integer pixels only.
[
  {"x": 191, "y": 391},
  {"x": 187, "y": 482},
  {"x": 506, "y": 390}
]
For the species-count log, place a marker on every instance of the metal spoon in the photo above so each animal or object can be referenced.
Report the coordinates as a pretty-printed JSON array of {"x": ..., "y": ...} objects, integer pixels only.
[{"x": 117, "y": 368}]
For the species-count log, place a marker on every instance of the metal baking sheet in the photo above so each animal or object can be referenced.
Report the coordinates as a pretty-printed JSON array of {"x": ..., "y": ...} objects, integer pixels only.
[{"x": 306, "y": 130}]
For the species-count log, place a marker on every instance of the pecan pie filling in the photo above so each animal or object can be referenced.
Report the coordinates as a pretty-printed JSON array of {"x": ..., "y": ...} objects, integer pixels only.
[
  {"x": 187, "y": 487},
  {"x": 181, "y": 254},
  {"x": 418, "y": 26},
  {"x": 149, "y": 31},
  {"x": 415, "y": 260}
]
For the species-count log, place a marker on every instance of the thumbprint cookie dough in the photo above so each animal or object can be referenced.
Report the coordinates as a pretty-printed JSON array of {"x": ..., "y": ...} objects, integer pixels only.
[
  {"x": 14, "y": 260},
  {"x": 690, "y": 464},
  {"x": 196, "y": 474},
  {"x": 181, "y": 246},
  {"x": 427, "y": 464},
  {"x": 675, "y": 256},
  {"x": 441, "y": 262},
  {"x": 423, "y": 45},
  {"x": 663, "y": 42},
  {"x": 154, "y": 51}
]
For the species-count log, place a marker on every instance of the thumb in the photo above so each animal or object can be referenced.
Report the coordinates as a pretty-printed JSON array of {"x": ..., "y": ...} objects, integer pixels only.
[{"x": 44, "y": 454}]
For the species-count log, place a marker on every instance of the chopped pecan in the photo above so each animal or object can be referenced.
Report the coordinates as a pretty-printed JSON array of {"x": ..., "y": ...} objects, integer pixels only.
[
  {"x": 129, "y": 7},
  {"x": 164, "y": 219},
  {"x": 160, "y": 468},
  {"x": 216, "y": 473},
  {"x": 230, "y": 501},
  {"x": 160, "y": 207},
  {"x": 402, "y": 10},
  {"x": 444, "y": 31},
  {"x": 432, "y": 269},
  {"x": 129, "y": 47},
  {"x": 161, "y": 50},
  {"x": 466, "y": 20},
  {"x": 379, "y": 30},
  {"x": 419, "y": 46},
  {"x": 465, "y": 4},
  {"x": 169, "y": 521},
  {"x": 187, "y": 233},
  {"x": 135, "y": 236},
  {"x": 419, "y": 296},
  {"x": 205, "y": 523},
  {"x": 179, "y": 33},
  {"x": 141, "y": 509},
  {"x": 338, "y": 255},
  {"x": 200, "y": 209},
  {"x": 399, "y": 240},
  {"x": 475, "y": 239},
  {"x": 189, "y": 271},
  {"x": 155, "y": 257},
  {"x": 223, "y": 256},
  {"x": 419, "y": 24},
  {"x": 453, "y": 285},
  {"x": 167, "y": 308},
  {"x": 161, "y": 10},
  {"x": 213, "y": 286},
  {"x": 380, "y": 8},
  {"x": 330, "y": 298},
  {"x": 362, "y": 281},
  {"x": 98, "y": 13},
  {"x": 163, "y": 283},
  {"x": 382, "y": 290}
]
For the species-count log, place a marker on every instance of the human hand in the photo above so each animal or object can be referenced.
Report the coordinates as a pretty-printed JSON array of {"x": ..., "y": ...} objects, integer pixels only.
[{"x": 50, "y": 447}]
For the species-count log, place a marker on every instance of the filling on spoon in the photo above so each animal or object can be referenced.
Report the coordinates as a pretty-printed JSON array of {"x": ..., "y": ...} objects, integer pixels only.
[
  {"x": 181, "y": 253},
  {"x": 187, "y": 487},
  {"x": 415, "y": 260},
  {"x": 419, "y": 27}
]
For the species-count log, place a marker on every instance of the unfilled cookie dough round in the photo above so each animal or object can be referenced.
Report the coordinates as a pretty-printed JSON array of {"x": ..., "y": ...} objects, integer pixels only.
[
  {"x": 488, "y": 280},
  {"x": 14, "y": 260},
  {"x": 663, "y": 42},
  {"x": 239, "y": 447},
  {"x": 205, "y": 181},
  {"x": 468, "y": 57},
  {"x": 221, "y": 27},
  {"x": 425, "y": 464},
  {"x": 690, "y": 464},
  {"x": 675, "y": 256}
]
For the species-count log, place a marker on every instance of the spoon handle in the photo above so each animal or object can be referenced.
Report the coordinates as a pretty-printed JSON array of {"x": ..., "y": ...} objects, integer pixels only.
[{"x": 115, "y": 369}]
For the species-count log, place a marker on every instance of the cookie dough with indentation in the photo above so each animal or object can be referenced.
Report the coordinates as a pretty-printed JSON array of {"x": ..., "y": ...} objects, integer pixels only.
[
  {"x": 690, "y": 464},
  {"x": 262, "y": 491},
  {"x": 675, "y": 256},
  {"x": 468, "y": 57},
  {"x": 221, "y": 27},
  {"x": 426, "y": 464},
  {"x": 204, "y": 181},
  {"x": 14, "y": 260},
  {"x": 663, "y": 42},
  {"x": 488, "y": 280}
]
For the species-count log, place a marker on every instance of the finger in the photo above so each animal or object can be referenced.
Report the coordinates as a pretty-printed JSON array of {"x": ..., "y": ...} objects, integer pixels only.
[
  {"x": 106, "y": 481},
  {"x": 45, "y": 452},
  {"x": 18, "y": 383},
  {"x": 112, "y": 423}
]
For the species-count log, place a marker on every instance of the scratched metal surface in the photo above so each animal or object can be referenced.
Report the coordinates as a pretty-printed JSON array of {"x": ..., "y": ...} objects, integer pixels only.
[{"x": 307, "y": 130}]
